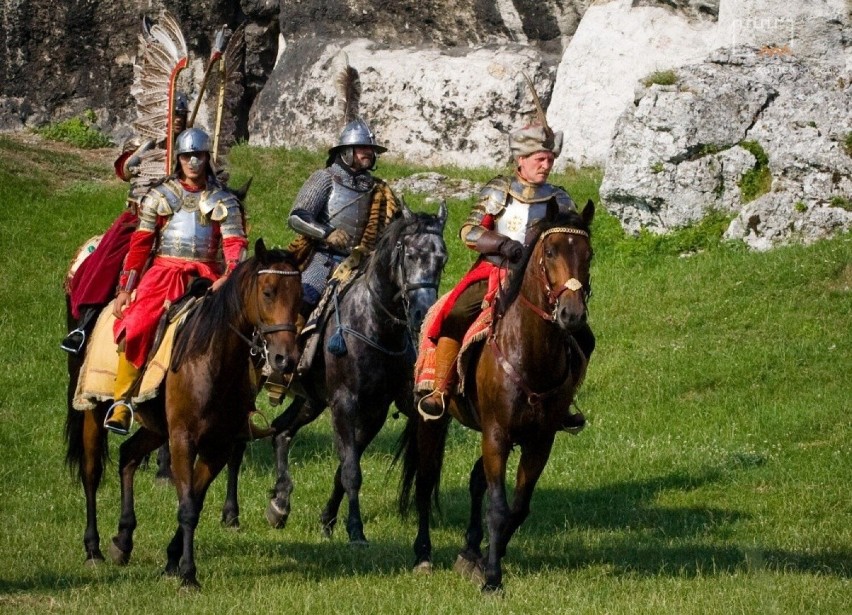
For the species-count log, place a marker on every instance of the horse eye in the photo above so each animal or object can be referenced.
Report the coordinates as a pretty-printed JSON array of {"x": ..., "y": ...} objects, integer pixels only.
[{"x": 268, "y": 294}]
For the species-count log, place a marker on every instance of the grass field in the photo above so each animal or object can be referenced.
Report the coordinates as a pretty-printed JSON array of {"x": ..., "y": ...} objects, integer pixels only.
[{"x": 714, "y": 477}]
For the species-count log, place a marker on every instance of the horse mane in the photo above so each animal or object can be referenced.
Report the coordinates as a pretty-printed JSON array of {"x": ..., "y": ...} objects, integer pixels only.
[
  {"x": 507, "y": 295},
  {"x": 400, "y": 226},
  {"x": 208, "y": 324}
]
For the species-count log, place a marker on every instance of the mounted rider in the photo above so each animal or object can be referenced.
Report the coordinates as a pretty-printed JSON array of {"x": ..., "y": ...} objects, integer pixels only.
[
  {"x": 343, "y": 207},
  {"x": 497, "y": 228},
  {"x": 189, "y": 222}
]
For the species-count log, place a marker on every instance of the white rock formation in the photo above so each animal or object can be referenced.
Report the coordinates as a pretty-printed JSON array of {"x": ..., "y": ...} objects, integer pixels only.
[{"x": 616, "y": 45}]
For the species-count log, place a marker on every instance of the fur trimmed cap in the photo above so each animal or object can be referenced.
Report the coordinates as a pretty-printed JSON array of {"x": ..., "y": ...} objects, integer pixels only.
[{"x": 531, "y": 139}]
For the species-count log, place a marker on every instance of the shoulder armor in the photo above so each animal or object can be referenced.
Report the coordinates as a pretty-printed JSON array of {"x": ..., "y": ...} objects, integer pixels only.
[
  {"x": 218, "y": 203},
  {"x": 493, "y": 196},
  {"x": 166, "y": 200}
]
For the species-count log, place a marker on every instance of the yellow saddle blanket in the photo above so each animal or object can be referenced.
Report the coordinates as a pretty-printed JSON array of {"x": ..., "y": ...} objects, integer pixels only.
[{"x": 97, "y": 375}]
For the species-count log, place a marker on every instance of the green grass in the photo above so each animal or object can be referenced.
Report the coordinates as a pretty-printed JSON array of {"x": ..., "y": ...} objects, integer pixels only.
[
  {"x": 78, "y": 131},
  {"x": 660, "y": 77},
  {"x": 756, "y": 181},
  {"x": 714, "y": 475}
]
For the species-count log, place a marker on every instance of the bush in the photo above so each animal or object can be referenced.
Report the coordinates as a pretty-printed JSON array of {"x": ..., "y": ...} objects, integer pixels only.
[
  {"x": 758, "y": 180},
  {"x": 78, "y": 131},
  {"x": 660, "y": 77}
]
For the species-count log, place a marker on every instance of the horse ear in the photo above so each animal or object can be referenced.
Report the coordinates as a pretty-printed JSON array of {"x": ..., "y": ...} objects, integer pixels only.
[
  {"x": 552, "y": 210},
  {"x": 588, "y": 212},
  {"x": 242, "y": 191},
  {"x": 442, "y": 213},
  {"x": 260, "y": 250}
]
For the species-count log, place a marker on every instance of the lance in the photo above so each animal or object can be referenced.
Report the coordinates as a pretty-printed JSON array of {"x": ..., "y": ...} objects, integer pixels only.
[{"x": 221, "y": 40}]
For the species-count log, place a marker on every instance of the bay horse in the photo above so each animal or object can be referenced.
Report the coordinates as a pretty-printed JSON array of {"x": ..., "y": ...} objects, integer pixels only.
[
  {"x": 379, "y": 317},
  {"x": 517, "y": 392},
  {"x": 202, "y": 406}
]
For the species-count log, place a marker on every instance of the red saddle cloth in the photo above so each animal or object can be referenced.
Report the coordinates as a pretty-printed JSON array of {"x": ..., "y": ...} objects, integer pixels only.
[{"x": 424, "y": 368}]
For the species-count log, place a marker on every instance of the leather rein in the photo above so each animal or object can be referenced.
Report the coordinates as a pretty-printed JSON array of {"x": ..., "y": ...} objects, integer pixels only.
[{"x": 535, "y": 398}]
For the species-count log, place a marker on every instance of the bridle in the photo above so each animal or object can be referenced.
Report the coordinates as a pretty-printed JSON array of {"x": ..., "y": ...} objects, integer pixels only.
[
  {"x": 553, "y": 294},
  {"x": 535, "y": 398},
  {"x": 258, "y": 344}
]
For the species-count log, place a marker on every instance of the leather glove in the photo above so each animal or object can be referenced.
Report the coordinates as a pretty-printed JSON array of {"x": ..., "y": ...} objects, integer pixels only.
[
  {"x": 512, "y": 250},
  {"x": 338, "y": 239}
]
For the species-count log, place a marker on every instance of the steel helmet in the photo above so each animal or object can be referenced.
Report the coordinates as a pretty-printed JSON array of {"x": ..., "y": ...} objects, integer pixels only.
[
  {"x": 192, "y": 140},
  {"x": 357, "y": 133}
]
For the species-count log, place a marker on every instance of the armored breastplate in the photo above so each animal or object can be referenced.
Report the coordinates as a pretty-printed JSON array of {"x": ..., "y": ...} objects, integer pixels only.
[
  {"x": 349, "y": 210},
  {"x": 525, "y": 204},
  {"x": 189, "y": 232}
]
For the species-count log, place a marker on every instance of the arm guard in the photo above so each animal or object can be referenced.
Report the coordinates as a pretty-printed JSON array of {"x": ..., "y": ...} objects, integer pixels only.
[
  {"x": 310, "y": 205},
  {"x": 304, "y": 223}
]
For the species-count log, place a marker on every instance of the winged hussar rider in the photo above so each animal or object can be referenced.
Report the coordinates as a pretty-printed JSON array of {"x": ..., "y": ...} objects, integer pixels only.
[
  {"x": 496, "y": 228},
  {"x": 190, "y": 224}
]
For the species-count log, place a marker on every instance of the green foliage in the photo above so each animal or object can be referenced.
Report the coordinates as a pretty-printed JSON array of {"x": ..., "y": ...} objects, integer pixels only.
[
  {"x": 842, "y": 202},
  {"x": 657, "y": 167},
  {"x": 711, "y": 477},
  {"x": 660, "y": 77},
  {"x": 757, "y": 180},
  {"x": 78, "y": 131},
  {"x": 800, "y": 207},
  {"x": 847, "y": 143}
]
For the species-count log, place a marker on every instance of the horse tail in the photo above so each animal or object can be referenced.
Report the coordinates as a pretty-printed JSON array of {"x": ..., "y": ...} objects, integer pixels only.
[{"x": 409, "y": 450}]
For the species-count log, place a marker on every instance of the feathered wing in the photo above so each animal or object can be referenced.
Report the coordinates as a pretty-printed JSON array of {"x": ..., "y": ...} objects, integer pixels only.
[
  {"x": 162, "y": 56},
  {"x": 348, "y": 83},
  {"x": 225, "y": 94}
]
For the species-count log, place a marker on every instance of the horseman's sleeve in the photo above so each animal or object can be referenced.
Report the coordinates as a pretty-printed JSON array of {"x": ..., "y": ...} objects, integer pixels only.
[
  {"x": 228, "y": 213},
  {"x": 491, "y": 202},
  {"x": 311, "y": 201},
  {"x": 565, "y": 203},
  {"x": 141, "y": 241}
]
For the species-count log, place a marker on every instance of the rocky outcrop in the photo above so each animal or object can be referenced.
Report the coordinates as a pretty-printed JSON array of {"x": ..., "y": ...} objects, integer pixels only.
[{"x": 762, "y": 135}]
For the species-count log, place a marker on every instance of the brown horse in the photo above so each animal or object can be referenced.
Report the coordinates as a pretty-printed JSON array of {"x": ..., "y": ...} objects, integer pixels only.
[
  {"x": 203, "y": 404},
  {"x": 518, "y": 391}
]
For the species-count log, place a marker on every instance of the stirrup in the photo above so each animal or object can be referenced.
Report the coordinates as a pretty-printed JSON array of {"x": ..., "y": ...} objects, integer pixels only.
[
  {"x": 431, "y": 417},
  {"x": 114, "y": 428},
  {"x": 69, "y": 343}
]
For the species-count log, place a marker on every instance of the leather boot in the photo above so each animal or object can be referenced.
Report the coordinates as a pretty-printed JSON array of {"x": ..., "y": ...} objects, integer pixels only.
[
  {"x": 433, "y": 405},
  {"x": 119, "y": 417}
]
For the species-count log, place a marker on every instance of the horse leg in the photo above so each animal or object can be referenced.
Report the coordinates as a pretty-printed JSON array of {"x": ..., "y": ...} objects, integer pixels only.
[
  {"x": 495, "y": 452},
  {"x": 183, "y": 454},
  {"x": 430, "y": 439},
  {"x": 130, "y": 455},
  {"x": 530, "y": 467},
  {"x": 469, "y": 561},
  {"x": 363, "y": 438},
  {"x": 231, "y": 507},
  {"x": 91, "y": 473},
  {"x": 189, "y": 511},
  {"x": 298, "y": 414},
  {"x": 164, "y": 463}
]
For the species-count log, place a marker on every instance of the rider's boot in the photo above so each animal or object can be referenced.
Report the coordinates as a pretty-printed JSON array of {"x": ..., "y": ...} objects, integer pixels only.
[
  {"x": 119, "y": 417},
  {"x": 75, "y": 340},
  {"x": 433, "y": 405}
]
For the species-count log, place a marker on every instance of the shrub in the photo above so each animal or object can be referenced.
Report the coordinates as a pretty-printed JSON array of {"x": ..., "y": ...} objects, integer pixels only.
[
  {"x": 842, "y": 202},
  {"x": 758, "y": 180},
  {"x": 78, "y": 131},
  {"x": 660, "y": 77},
  {"x": 800, "y": 207},
  {"x": 657, "y": 167},
  {"x": 847, "y": 143}
]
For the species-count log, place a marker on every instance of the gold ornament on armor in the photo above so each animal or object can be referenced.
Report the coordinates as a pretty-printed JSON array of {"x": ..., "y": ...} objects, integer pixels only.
[{"x": 514, "y": 224}]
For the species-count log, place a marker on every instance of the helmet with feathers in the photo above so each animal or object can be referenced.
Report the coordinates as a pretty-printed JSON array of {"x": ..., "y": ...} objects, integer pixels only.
[
  {"x": 356, "y": 132},
  {"x": 537, "y": 136}
]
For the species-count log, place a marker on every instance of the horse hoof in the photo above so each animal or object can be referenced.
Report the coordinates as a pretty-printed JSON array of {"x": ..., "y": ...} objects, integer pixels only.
[
  {"x": 424, "y": 568},
  {"x": 359, "y": 543},
  {"x": 94, "y": 560},
  {"x": 276, "y": 516},
  {"x": 170, "y": 571},
  {"x": 163, "y": 479},
  {"x": 118, "y": 556},
  {"x": 232, "y": 522},
  {"x": 190, "y": 586},
  {"x": 469, "y": 569},
  {"x": 492, "y": 590}
]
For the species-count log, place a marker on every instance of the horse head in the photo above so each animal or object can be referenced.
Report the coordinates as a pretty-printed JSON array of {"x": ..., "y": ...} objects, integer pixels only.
[
  {"x": 558, "y": 267},
  {"x": 277, "y": 302},
  {"x": 418, "y": 259}
]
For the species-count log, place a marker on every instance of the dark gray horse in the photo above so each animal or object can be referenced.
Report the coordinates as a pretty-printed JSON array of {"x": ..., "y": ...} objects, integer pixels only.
[{"x": 379, "y": 317}]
